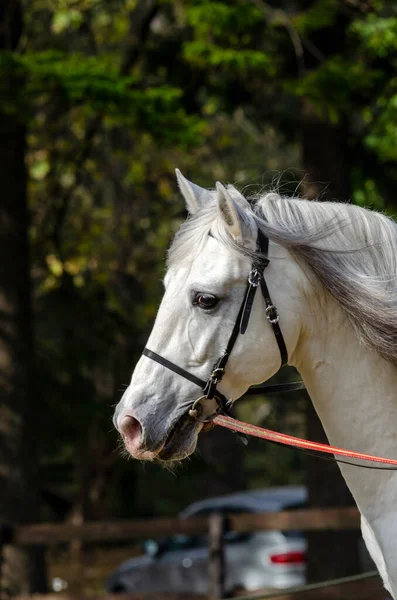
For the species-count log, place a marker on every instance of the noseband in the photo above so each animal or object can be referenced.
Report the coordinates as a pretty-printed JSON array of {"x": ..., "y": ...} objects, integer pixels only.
[{"x": 209, "y": 387}]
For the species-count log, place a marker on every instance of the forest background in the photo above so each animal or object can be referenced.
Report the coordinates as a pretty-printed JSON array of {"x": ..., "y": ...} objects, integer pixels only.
[{"x": 99, "y": 102}]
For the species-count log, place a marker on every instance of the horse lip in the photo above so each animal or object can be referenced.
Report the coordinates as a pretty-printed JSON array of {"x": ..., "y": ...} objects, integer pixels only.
[
  {"x": 167, "y": 451},
  {"x": 176, "y": 428},
  {"x": 178, "y": 424}
]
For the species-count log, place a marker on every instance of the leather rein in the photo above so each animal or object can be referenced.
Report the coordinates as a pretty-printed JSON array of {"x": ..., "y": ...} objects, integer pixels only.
[{"x": 221, "y": 415}]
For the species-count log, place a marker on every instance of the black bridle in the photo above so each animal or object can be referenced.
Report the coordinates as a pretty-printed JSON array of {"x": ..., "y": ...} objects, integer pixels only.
[{"x": 255, "y": 279}]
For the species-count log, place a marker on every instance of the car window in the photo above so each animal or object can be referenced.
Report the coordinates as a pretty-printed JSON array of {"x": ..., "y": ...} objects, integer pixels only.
[
  {"x": 293, "y": 535},
  {"x": 224, "y": 509},
  {"x": 232, "y": 537},
  {"x": 184, "y": 542}
]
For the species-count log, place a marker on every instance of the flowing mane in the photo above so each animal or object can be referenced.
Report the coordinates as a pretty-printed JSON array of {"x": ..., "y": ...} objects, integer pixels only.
[{"x": 351, "y": 250}]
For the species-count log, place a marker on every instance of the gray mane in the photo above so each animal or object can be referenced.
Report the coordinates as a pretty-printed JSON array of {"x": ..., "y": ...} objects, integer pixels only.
[{"x": 352, "y": 251}]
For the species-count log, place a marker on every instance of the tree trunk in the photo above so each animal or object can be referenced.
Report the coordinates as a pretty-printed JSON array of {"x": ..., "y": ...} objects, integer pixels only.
[
  {"x": 331, "y": 553},
  {"x": 224, "y": 454},
  {"x": 326, "y": 164},
  {"x": 324, "y": 156},
  {"x": 21, "y": 569}
]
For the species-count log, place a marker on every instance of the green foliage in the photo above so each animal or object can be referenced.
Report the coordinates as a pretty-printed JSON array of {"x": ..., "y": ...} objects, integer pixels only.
[
  {"x": 115, "y": 98},
  {"x": 320, "y": 15},
  {"x": 205, "y": 54},
  {"x": 335, "y": 86},
  {"x": 221, "y": 19},
  {"x": 383, "y": 134},
  {"x": 352, "y": 75},
  {"x": 229, "y": 36},
  {"x": 96, "y": 83},
  {"x": 378, "y": 35},
  {"x": 366, "y": 192}
]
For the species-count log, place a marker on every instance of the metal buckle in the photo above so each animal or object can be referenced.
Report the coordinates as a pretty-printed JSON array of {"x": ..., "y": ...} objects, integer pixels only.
[
  {"x": 254, "y": 277},
  {"x": 217, "y": 374},
  {"x": 268, "y": 310}
]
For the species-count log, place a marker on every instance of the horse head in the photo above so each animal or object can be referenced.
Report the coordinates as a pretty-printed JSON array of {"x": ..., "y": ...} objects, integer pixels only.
[{"x": 208, "y": 265}]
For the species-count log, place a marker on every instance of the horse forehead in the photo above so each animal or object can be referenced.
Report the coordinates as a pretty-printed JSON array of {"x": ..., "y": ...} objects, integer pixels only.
[{"x": 215, "y": 262}]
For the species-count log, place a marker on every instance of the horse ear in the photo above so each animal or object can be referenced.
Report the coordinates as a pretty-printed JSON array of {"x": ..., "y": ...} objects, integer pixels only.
[
  {"x": 229, "y": 210},
  {"x": 192, "y": 193}
]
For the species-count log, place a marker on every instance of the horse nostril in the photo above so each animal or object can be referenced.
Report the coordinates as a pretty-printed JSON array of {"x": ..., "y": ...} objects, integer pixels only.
[
  {"x": 133, "y": 436},
  {"x": 130, "y": 429}
]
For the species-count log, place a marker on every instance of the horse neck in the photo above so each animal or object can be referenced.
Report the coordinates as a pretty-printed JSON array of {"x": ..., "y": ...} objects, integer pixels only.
[{"x": 353, "y": 390}]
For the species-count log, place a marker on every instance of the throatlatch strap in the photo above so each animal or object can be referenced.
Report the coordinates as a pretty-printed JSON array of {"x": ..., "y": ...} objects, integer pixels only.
[
  {"x": 275, "y": 326},
  {"x": 275, "y": 388}
]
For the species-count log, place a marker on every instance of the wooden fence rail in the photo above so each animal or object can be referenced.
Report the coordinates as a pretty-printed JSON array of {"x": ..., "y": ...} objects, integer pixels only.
[
  {"x": 290, "y": 520},
  {"x": 371, "y": 589},
  {"x": 134, "y": 596},
  {"x": 215, "y": 525},
  {"x": 368, "y": 590}
]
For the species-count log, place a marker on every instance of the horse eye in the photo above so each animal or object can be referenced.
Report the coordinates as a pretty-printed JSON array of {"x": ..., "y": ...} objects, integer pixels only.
[{"x": 205, "y": 301}]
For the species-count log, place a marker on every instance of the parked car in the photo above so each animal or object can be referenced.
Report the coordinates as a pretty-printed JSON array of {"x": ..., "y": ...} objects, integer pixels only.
[{"x": 264, "y": 559}]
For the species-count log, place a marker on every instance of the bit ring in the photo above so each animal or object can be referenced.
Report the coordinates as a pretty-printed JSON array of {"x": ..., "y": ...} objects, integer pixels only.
[{"x": 197, "y": 409}]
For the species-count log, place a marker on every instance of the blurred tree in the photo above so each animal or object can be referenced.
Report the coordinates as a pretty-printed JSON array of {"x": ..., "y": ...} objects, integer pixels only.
[
  {"x": 110, "y": 125},
  {"x": 22, "y": 570},
  {"x": 325, "y": 159},
  {"x": 114, "y": 95},
  {"x": 104, "y": 210}
]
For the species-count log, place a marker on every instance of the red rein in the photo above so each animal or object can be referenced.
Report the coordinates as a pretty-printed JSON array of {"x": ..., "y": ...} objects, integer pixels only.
[{"x": 289, "y": 440}]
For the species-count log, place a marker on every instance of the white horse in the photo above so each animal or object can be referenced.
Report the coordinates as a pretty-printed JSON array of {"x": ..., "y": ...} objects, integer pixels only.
[{"x": 333, "y": 277}]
